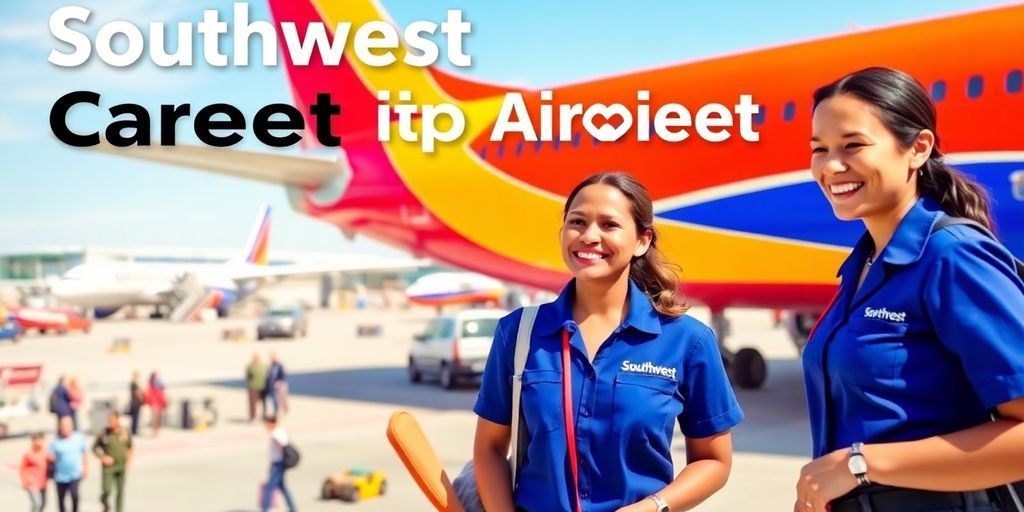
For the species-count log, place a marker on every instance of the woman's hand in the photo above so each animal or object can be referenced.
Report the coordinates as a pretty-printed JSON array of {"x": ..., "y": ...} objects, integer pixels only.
[{"x": 823, "y": 480}]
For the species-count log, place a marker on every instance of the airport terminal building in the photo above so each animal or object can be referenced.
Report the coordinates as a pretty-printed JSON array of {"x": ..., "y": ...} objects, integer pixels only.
[{"x": 25, "y": 275}]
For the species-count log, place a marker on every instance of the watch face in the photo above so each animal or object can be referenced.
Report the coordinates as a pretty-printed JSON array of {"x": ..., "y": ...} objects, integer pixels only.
[{"x": 858, "y": 465}]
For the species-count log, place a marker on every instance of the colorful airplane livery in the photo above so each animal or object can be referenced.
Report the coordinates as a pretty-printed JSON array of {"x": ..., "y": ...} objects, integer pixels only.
[{"x": 744, "y": 219}]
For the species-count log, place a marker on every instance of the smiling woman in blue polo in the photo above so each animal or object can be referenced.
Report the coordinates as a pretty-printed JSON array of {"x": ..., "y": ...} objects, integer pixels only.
[
  {"x": 925, "y": 337},
  {"x": 638, "y": 367}
]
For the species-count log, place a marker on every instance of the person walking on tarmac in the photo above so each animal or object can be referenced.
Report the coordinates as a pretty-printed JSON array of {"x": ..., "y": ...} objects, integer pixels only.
[
  {"x": 33, "y": 472},
  {"x": 114, "y": 449},
  {"x": 136, "y": 399},
  {"x": 77, "y": 398},
  {"x": 613, "y": 365},
  {"x": 156, "y": 399},
  {"x": 60, "y": 402},
  {"x": 277, "y": 386},
  {"x": 275, "y": 481},
  {"x": 70, "y": 463},
  {"x": 256, "y": 383},
  {"x": 924, "y": 342}
]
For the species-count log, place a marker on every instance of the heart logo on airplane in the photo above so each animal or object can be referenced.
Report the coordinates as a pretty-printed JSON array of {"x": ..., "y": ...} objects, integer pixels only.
[{"x": 608, "y": 131}]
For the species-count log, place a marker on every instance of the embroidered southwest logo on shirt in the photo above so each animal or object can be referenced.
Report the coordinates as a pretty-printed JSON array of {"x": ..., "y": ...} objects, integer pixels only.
[
  {"x": 885, "y": 314},
  {"x": 648, "y": 367}
]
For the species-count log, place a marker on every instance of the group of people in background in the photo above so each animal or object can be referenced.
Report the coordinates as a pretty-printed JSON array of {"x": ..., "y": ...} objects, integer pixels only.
[
  {"x": 66, "y": 462},
  {"x": 67, "y": 398},
  {"x": 270, "y": 382},
  {"x": 266, "y": 382}
]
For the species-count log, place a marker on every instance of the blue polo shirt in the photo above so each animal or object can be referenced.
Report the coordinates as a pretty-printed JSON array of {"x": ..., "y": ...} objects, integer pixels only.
[
  {"x": 652, "y": 372},
  {"x": 67, "y": 453},
  {"x": 931, "y": 342}
]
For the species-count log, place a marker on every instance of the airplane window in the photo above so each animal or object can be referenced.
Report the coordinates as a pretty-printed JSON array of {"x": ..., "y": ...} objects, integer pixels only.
[
  {"x": 501, "y": 151},
  {"x": 596, "y": 141},
  {"x": 519, "y": 149},
  {"x": 555, "y": 143},
  {"x": 975, "y": 86},
  {"x": 536, "y": 146},
  {"x": 576, "y": 140},
  {"x": 939, "y": 90},
  {"x": 759, "y": 118},
  {"x": 789, "y": 111},
  {"x": 483, "y": 153},
  {"x": 1013, "y": 81}
]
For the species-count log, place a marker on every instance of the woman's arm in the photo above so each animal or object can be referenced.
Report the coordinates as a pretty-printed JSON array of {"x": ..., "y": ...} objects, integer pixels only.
[
  {"x": 979, "y": 457},
  {"x": 708, "y": 463},
  {"x": 976, "y": 458},
  {"x": 493, "y": 478}
]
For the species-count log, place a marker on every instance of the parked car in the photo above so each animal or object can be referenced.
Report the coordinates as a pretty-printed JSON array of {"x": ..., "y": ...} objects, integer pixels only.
[
  {"x": 455, "y": 346},
  {"x": 282, "y": 323},
  {"x": 46, "y": 320}
]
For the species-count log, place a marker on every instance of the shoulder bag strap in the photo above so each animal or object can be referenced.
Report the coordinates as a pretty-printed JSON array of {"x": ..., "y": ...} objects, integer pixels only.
[{"x": 519, "y": 363}]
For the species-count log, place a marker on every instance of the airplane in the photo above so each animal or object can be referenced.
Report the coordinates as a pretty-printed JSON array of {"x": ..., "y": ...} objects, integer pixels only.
[
  {"x": 454, "y": 289},
  {"x": 744, "y": 220},
  {"x": 186, "y": 289}
]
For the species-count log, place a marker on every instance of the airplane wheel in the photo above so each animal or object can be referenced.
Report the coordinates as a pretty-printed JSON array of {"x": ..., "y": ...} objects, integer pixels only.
[
  {"x": 749, "y": 370},
  {"x": 414, "y": 374},
  {"x": 383, "y": 487},
  {"x": 327, "y": 492}
]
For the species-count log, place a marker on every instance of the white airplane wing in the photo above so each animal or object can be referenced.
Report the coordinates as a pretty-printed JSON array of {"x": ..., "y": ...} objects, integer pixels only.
[
  {"x": 297, "y": 170},
  {"x": 248, "y": 272}
]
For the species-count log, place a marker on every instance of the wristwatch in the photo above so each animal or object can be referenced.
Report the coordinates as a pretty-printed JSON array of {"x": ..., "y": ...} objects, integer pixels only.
[
  {"x": 662, "y": 506},
  {"x": 858, "y": 464}
]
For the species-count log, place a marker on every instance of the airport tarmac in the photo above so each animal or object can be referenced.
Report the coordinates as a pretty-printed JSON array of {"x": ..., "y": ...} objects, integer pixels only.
[{"x": 343, "y": 388}]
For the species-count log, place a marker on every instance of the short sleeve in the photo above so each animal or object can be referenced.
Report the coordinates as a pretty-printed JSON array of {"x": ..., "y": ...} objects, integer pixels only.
[
  {"x": 709, "y": 406},
  {"x": 494, "y": 402},
  {"x": 975, "y": 300}
]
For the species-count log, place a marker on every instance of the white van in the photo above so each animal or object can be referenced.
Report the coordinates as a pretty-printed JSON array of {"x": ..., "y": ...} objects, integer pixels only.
[{"x": 454, "y": 346}]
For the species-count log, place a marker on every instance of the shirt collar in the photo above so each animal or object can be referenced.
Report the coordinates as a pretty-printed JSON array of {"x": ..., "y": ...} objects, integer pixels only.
[
  {"x": 558, "y": 314},
  {"x": 907, "y": 243}
]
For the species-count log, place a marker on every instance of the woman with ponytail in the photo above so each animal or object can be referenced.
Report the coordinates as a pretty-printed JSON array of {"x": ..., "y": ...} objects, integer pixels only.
[
  {"x": 915, "y": 372},
  {"x": 633, "y": 363}
]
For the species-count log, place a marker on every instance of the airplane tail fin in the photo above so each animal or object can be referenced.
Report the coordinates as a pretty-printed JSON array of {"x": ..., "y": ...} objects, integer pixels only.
[
  {"x": 352, "y": 84},
  {"x": 259, "y": 239}
]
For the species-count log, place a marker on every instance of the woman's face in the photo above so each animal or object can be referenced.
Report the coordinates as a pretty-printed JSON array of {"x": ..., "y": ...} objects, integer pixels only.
[
  {"x": 599, "y": 235},
  {"x": 858, "y": 163}
]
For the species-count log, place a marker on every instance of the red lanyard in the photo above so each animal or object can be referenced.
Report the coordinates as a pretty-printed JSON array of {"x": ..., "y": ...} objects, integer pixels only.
[
  {"x": 824, "y": 312},
  {"x": 570, "y": 425}
]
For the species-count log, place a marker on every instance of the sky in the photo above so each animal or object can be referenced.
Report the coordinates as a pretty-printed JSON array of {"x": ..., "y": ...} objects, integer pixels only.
[{"x": 54, "y": 195}]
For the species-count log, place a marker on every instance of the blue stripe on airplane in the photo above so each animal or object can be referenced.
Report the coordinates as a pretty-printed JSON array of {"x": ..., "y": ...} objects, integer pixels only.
[{"x": 801, "y": 212}]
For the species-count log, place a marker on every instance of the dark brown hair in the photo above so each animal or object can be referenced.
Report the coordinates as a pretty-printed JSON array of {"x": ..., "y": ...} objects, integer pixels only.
[
  {"x": 654, "y": 274},
  {"x": 905, "y": 109}
]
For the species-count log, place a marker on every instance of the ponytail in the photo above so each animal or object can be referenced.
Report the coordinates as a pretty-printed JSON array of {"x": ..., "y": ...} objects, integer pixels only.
[
  {"x": 659, "y": 279},
  {"x": 654, "y": 274},
  {"x": 958, "y": 195}
]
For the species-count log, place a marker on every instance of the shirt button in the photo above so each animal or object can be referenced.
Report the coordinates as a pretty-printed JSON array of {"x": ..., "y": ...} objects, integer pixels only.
[
  {"x": 585, "y": 495},
  {"x": 586, "y": 412}
]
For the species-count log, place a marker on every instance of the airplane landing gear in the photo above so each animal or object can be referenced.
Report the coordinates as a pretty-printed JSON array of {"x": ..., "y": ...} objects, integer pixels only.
[
  {"x": 746, "y": 367},
  {"x": 799, "y": 326}
]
